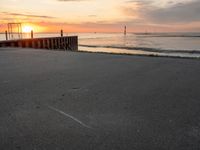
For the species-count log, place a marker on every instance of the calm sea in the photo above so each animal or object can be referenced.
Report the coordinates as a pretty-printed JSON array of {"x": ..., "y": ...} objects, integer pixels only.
[{"x": 161, "y": 44}]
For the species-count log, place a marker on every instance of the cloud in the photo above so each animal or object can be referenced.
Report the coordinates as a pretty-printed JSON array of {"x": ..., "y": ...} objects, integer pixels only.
[
  {"x": 184, "y": 12},
  {"x": 178, "y": 13},
  {"x": 139, "y": 2},
  {"x": 71, "y": 0},
  {"x": 92, "y": 15},
  {"x": 27, "y": 15}
]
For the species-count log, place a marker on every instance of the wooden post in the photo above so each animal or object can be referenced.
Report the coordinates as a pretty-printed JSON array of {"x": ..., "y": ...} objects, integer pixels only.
[
  {"x": 61, "y": 32},
  {"x": 48, "y": 44},
  {"x": 44, "y": 44},
  {"x": 33, "y": 44},
  {"x": 6, "y": 33},
  {"x": 27, "y": 43},
  {"x": 19, "y": 43},
  {"x": 77, "y": 43},
  {"x": 51, "y": 41},
  {"x": 38, "y": 44},
  {"x": 55, "y": 43},
  {"x": 32, "y": 34}
]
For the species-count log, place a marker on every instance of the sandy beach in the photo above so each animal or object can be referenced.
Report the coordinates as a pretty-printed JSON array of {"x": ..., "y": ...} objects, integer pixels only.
[{"x": 89, "y": 101}]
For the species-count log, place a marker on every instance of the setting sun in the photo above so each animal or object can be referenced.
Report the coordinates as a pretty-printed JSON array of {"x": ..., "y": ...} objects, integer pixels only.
[{"x": 27, "y": 29}]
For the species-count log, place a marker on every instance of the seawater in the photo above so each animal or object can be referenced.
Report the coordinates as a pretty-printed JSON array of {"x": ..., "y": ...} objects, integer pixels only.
[{"x": 159, "y": 44}]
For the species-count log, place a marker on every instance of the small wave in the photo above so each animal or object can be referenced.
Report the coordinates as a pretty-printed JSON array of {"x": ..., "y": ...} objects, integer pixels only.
[
  {"x": 157, "y": 50},
  {"x": 197, "y": 35}
]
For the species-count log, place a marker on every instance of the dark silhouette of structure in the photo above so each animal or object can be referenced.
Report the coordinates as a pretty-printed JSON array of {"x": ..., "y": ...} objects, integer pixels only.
[
  {"x": 59, "y": 43},
  {"x": 32, "y": 34},
  {"x": 61, "y": 33},
  {"x": 124, "y": 30},
  {"x": 14, "y": 31}
]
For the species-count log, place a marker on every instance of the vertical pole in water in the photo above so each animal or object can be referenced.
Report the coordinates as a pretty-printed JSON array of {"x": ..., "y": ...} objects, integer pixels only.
[
  {"x": 6, "y": 32},
  {"x": 125, "y": 30},
  {"x": 61, "y": 32},
  {"x": 32, "y": 34}
]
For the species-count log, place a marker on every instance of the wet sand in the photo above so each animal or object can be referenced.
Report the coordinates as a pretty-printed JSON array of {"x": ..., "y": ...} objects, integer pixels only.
[{"x": 75, "y": 100}]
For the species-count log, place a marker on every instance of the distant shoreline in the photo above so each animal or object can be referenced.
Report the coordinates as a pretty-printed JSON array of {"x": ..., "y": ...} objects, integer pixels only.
[{"x": 57, "y": 32}]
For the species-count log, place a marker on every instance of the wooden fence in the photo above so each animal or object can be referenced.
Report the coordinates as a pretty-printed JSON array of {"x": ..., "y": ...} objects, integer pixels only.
[{"x": 62, "y": 43}]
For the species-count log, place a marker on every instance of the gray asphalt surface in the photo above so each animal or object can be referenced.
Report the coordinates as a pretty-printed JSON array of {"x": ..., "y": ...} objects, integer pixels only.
[{"x": 55, "y": 100}]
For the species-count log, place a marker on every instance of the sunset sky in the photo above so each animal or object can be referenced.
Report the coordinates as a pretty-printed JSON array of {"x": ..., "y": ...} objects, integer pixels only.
[{"x": 102, "y": 15}]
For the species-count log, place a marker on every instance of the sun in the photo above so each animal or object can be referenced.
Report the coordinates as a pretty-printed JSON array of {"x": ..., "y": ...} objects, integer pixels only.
[{"x": 27, "y": 29}]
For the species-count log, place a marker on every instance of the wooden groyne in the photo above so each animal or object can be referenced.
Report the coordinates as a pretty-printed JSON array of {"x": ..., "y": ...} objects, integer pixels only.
[{"x": 62, "y": 43}]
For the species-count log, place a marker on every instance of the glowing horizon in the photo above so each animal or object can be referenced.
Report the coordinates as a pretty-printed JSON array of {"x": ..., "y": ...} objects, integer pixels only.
[{"x": 102, "y": 15}]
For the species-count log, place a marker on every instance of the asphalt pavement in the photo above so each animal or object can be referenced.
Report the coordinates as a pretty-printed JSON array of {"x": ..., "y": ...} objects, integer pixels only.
[{"x": 56, "y": 100}]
